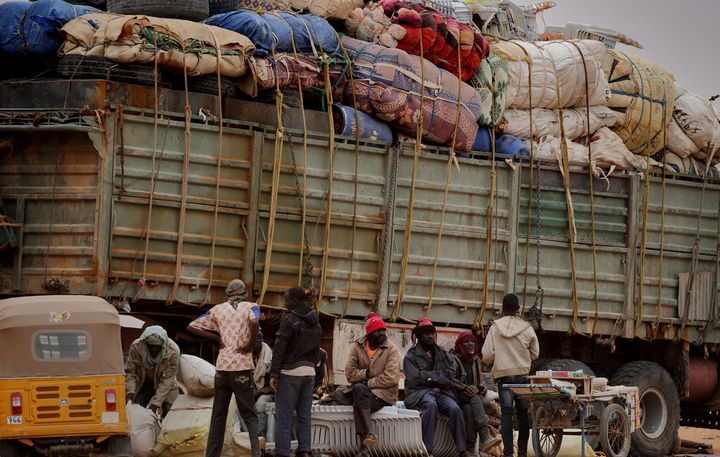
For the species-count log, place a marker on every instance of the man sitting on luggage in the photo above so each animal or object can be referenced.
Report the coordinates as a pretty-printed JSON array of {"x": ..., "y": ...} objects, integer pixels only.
[
  {"x": 151, "y": 370},
  {"x": 429, "y": 374},
  {"x": 470, "y": 388},
  {"x": 373, "y": 370},
  {"x": 262, "y": 358}
]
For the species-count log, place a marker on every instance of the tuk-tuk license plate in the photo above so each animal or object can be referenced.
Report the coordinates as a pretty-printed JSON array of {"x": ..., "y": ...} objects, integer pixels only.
[{"x": 14, "y": 420}]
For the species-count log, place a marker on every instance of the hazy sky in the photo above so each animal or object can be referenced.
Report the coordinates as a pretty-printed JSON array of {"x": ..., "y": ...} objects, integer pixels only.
[{"x": 682, "y": 36}]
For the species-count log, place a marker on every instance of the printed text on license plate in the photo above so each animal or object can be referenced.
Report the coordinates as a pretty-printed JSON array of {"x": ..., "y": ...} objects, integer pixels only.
[{"x": 14, "y": 420}]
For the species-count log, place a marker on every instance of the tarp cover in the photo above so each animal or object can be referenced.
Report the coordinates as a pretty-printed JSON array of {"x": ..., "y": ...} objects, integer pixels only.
[
  {"x": 643, "y": 94},
  {"x": 310, "y": 33},
  {"x": 181, "y": 45},
  {"x": 250, "y": 24},
  {"x": 387, "y": 84},
  {"x": 35, "y": 27},
  {"x": 554, "y": 65}
]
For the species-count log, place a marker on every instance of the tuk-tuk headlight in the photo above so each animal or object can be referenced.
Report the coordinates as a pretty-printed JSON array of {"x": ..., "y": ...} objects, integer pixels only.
[
  {"x": 110, "y": 400},
  {"x": 16, "y": 403}
]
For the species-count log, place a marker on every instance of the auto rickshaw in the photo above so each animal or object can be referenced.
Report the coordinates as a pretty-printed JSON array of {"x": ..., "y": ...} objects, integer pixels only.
[{"x": 62, "y": 382}]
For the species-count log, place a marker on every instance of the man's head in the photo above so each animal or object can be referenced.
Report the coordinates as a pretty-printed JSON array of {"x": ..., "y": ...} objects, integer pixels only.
[
  {"x": 154, "y": 338},
  {"x": 294, "y": 296},
  {"x": 424, "y": 331},
  {"x": 375, "y": 330},
  {"x": 236, "y": 290},
  {"x": 511, "y": 305}
]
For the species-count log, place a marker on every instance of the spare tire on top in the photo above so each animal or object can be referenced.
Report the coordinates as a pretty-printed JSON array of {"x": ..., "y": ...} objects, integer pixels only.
[
  {"x": 192, "y": 10},
  {"x": 222, "y": 6}
]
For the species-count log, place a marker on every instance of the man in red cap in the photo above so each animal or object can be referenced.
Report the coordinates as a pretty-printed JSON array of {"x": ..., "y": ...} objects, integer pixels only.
[
  {"x": 429, "y": 387},
  {"x": 373, "y": 370}
]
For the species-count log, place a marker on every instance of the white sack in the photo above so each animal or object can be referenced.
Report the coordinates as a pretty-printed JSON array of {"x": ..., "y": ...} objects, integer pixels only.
[
  {"x": 196, "y": 375},
  {"x": 553, "y": 63},
  {"x": 144, "y": 429},
  {"x": 546, "y": 122},
  {"x": 698, "y": 119},
  {"x": 678, "y": 142}
]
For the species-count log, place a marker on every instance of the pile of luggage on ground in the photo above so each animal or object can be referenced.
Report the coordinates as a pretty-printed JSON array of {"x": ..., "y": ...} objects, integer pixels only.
[{"x": 389, "y": 68}]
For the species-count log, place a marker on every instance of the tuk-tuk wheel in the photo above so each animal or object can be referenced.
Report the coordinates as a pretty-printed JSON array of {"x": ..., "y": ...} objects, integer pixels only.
[
  {"x": 615, "y": 431},
  {"x": 546, "y": 439},
  {"x": 119, "y": 446},
  {"x": 9, "y": 448}
]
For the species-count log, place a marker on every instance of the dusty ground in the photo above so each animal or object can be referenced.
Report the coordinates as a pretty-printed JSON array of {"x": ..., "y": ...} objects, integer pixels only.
[{"x": 703, "y": 435}]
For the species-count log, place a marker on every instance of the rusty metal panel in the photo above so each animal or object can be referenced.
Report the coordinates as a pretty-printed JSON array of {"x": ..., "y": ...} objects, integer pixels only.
[
  {"x": 49, "y": 182},
  {"x": 137, "y": 223},
  {"x": 702, "y": 296},
  {"x": 458, "y": 291},
  {"x": 368, "y": 207}
]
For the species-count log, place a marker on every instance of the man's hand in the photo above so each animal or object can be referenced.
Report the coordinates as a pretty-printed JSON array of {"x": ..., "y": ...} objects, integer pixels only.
[
  {"x": 158, "y": 410},
  {"x": 130, "y": 396},
  {"x": 483, "y": 390},
  {"x": 274, "y": 384},
  {"x": 472, "y": 390}
]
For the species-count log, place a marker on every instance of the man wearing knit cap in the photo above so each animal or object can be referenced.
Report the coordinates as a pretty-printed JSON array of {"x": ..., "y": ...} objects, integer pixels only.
[
  {"x": 429, "y": 376},
  {"x": 234, "y": 324},
  {"x": 510, "y": 347},
  {"x": 373, "y": 370}
]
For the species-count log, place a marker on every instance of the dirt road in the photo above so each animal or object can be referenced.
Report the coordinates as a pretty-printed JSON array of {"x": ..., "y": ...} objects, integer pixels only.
[{"x": 702, "y": 435}]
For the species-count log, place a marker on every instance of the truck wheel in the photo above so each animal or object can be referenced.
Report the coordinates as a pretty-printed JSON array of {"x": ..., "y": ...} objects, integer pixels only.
[
  {"x": 192, "y": 10},
  {"x": 659, "y": 407},
  {"x": 615, "y": 431},
  {"x": 9, "y": 448}
]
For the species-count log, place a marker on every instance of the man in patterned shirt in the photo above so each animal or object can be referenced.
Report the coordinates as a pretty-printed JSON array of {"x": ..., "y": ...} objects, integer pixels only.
[{"x": 234, "y": 324}]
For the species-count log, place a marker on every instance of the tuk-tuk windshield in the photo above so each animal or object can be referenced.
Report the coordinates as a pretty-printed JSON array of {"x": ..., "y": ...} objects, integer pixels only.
[{"x": 66, "y": 335}]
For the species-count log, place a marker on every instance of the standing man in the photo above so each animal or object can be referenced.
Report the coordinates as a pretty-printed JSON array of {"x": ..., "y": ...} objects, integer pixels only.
[
  {"x": 429, "y": 374},
  {"x": 511, "y": 346},
  {"x": 470, "y": 389},
  {"x": 292, "y": 374},
  {"x": 151, "y": 370},
  {"x": 373, "y": 371},
  {"x": 234, "y": 324}
]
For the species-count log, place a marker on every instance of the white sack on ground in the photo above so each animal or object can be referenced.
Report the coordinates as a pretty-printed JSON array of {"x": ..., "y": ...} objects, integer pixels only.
[
  {"x": 196, "y": 375},
  {"x": 546, "y": 122},
  {"x": 643, "y": 94},
  {"x": 553, "y": 63},
  {"x": 185, "y": 430},
  {"x": 181, "y": 45},
  {"x": 698, "y": 119},
  {"x": 144, "y": 429}
]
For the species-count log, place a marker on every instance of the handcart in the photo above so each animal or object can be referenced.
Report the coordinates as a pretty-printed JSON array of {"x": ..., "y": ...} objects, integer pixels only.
[{"x": 567, "y": 405}]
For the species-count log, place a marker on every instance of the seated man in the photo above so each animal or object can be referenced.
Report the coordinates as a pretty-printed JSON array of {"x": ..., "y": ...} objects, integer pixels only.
[
  {"x": 429, "y": 374},
  {"x": 262, "y": 358},
  {"x": 151, "y": 370},
  {"x": 373, "y": 370},
  {"x": 470, "y": 388}
]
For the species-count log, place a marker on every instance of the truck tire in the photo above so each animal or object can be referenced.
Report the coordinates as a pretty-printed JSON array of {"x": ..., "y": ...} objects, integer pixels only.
[
  {"x": 659, "y": 407},
  {"x": 192, "y": 10},
  {"x": 91, "y": 67},
  {"x": 568, "y": 365},
  {"x": 207, "y": 84},
  {"x": 222, "y": 6}
]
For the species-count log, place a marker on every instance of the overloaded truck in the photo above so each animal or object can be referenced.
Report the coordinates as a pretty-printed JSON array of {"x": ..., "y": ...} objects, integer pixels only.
[{"x": 154, "y": 198}]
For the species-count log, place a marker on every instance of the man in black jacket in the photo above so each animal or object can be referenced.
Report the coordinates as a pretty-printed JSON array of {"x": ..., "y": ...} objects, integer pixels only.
[
  {"x": 429, "y": 375},
  {"x": 292, "y": 374}
]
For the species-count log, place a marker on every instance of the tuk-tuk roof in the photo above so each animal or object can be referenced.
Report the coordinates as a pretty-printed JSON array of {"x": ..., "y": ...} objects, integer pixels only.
[
  {"x": 59, "y": 336},
  {"x": 60, "y": 310}
]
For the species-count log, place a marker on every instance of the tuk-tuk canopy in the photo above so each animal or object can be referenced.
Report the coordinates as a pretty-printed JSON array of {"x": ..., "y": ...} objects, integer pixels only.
[{"x": 59, "y": 335}]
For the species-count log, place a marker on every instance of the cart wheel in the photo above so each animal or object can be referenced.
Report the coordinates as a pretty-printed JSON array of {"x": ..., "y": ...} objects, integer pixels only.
[
  {"x": 546, "y": 441},
  {"x": 615, "y": 431}
]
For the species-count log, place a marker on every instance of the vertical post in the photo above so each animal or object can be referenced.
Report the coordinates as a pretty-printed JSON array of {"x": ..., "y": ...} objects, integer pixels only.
[
  {"x": 17, "y": 264},
  {"x": 383, "y": 280},
  {"x": 631, "y": 254},
  {"x": 253, "y": 217},
  {"x": 511, "y": 257}
]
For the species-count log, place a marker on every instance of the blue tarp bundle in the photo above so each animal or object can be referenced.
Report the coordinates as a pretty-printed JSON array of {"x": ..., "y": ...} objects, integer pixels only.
[
  {"x": 310, "y": 32},
  {"x": 34, "y": 28}
]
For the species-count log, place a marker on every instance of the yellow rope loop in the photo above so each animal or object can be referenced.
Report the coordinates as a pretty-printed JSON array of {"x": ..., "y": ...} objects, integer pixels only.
[{"x": 409, "y": 216}]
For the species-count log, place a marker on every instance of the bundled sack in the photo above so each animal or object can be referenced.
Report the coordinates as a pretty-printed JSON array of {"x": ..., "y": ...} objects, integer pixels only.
[
  {"x": 643, "y": 94},
  {"x": 387, "y": 85},
  {"x": 329, "y": 9},
  {"x": 546, "y": 122},
  {"x": 491, "y": 80},
  {"x": 196, "y": 375},
  {"x": 697, "y": 117},
  {"x": 185, "y": 430},
  {"x": 144, "y": 428},
  {"x": 688, "y": 165},
  {"x": 34, "y": 28},
  {"x": 678, "y": 142},
  {"x": 607, "y": 150},
  {"x": 181, "y": 45},
  {"x": 553, "y": 64},
  {"x": 280, "y": 31}
]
